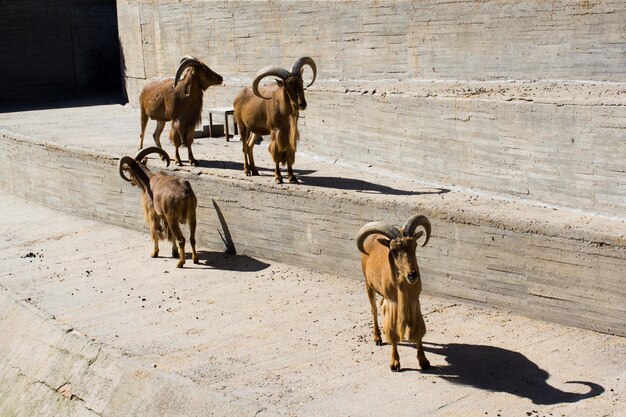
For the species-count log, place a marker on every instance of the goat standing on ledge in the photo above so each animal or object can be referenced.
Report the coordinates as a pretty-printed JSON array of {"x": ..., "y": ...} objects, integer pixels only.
[
  {"x": 390, "y": 269},
  {"x": 178, "y": 99},
  {"x": 274, "y": 113},
  {"x": 168, "y": 201}
]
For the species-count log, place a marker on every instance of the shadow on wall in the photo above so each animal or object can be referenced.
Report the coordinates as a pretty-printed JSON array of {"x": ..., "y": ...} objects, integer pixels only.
[
  {"x": 500, "y": 370},
  {"x": 340, "y": 183},
  {"x": 337, "y": 183}
]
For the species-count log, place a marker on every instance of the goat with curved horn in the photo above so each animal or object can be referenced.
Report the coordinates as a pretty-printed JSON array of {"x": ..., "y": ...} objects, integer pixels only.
[
  {"x": 381, "y": 228},
  {"x": 297, "y": 67},
  {"x": 273, "y": 110},
  {"x": 186, "y": 61},
  {"x": 150, "y": 150},
  {"x": 268, "y": 72},
  {"x": 413, "y": 223},
  {"x": 167, "y": 201},
  {"x": 390, "y": 268},
  {"x": 179, "y": 100}
]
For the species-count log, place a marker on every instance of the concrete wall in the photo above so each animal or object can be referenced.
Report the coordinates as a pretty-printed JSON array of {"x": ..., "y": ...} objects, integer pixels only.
[
  {"x": 519, "y": 98},
  {"x": 570, "y": 270},
  {"x": 58, "y": 48}
]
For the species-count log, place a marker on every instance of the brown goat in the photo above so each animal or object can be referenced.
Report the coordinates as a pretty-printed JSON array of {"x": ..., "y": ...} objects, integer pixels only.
[
  {"x": 166, "y": 99},
  {"x": 390, "y": 268},
  {"x": 168, "y": 201},
  {"x": 274, "y": 113}
]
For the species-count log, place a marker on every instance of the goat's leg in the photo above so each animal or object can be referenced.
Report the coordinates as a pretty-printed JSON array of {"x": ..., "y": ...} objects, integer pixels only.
[
  {"x": 371, "y": 294},
  {"x": 157, "y": 135},
  {"x": 188, "y": 142},
  {"x": 144, "y": 122},
  {"x": 155, "y": 241},
  {"x": 275, "y": 152},
  {"x": 389, "y": 325},
  {"x": 278, "y": 178},
  {"x": 292, "y": 178},
  {"x": 192, "y": 160},
  {"x": 291, "y": 158},
  {"x": 169, "y": 236},
  {"x": 177, "y": 141},
  {"x": 251, "y": 142},
  {"x": 178, "y": 235},
  {"x": 394, "y": 362},
  {"x": 421, "y": 357},
  {"x": 243, "y": 133},
  {"x": 192, "y": 237}
]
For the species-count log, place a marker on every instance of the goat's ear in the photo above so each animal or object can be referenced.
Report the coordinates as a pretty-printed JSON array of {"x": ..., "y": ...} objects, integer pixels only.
[
  {"x": 384, "y": 242},
  {"x": 279, "y": 81}
]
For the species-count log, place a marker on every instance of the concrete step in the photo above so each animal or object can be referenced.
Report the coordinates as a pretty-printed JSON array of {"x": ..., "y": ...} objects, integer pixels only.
[
  {"x": 543, "y": 261},
  {"x": 92, "y": 326}
]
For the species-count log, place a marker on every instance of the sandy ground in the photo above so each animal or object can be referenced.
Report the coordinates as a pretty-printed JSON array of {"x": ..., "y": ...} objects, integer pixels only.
[{"x": 297, "y": 341}]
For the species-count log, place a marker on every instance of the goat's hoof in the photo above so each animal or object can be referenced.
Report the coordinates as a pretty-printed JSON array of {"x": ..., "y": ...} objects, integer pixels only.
[
  {"x": 293, "y": 180},
  {"x": 193, "y": 162},
  {"x": 195, "y": 260},
  {"x": 395, "y": 366},
  {"x": 154, "y": 254},
  {"x": 278, "y": 180},
  {"x": 180, "y": 264},
  {"x": 255, "y": 173},
  {"x": 425, "y": 365},
  {"x": 378, "y": 341}
]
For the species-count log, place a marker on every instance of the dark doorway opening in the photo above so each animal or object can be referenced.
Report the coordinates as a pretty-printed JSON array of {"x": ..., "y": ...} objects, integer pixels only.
[{"x": 55, "y": 51}]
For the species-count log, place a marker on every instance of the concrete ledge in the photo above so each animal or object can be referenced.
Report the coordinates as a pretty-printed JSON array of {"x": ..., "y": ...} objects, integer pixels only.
[
  {"x": 544, "y": 262},
  {"x": 53, "y": 370}
]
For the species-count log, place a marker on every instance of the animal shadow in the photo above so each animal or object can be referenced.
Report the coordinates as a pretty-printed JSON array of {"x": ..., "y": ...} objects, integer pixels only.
[
  {"x": 500, "y": 370},
  {"x": 229, "y": 262},
  {"x": 364, "y": 186},
  {"x": 238, "y": 166}
]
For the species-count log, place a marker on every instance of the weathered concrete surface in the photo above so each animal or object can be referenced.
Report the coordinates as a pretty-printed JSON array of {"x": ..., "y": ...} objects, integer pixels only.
[
  {"x": 524, "y": 99},
  {"x": 544, "y": 262},
  {"x": 92, "y": 326}
]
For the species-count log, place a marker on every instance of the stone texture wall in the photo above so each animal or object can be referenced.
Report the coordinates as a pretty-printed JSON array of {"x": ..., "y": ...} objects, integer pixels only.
[
  {"x": 572, "y": 274},
  {"x": 524, "y": 99}
]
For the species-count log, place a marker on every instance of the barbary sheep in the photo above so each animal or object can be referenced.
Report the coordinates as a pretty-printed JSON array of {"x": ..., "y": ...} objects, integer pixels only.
[
  {"x": 178, "y": 99},
  {"x": 390, "y": 267},
  {"x": 273, "y": 110},
  {"x": 167, "y": 201}
]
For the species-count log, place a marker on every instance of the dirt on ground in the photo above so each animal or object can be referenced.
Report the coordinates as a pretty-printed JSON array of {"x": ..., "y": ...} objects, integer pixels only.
[{"x": 294, "y": 340}]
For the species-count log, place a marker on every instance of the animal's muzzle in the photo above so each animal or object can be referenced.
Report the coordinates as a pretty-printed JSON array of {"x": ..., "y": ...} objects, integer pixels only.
[{"x": 302, "y": 105}]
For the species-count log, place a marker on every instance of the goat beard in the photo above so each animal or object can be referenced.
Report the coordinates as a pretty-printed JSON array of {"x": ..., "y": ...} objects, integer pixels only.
[{"x": 404, "y": 316}]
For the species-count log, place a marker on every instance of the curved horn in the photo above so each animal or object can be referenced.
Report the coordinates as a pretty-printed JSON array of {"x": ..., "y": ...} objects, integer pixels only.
[
  {"x": 415, "y": 221},
  {"x": 184, "y": 63},
  {"x": 120, "y": 166},
  {"x": 153, "y": 149},
  {"x": 267, "y": 72},
  {"x": 382, "y": 228},
  {"x": 296, "y": 69}
]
